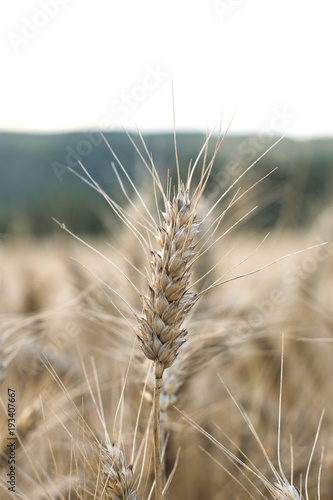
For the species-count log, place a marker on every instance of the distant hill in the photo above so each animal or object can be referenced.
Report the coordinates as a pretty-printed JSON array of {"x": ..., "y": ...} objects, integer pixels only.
[{"x": 36, "y": 185}]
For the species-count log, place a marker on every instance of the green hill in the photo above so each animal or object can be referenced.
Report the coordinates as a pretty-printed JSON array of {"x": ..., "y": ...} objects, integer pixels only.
[{"x": 35, "y": 184}]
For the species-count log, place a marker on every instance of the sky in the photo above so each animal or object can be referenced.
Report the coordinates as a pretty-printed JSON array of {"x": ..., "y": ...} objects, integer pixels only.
[{"x": 263, "y": 66}]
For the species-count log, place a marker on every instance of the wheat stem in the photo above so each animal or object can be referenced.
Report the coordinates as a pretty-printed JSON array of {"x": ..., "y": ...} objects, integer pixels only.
[{"x": 157, "y": 437}]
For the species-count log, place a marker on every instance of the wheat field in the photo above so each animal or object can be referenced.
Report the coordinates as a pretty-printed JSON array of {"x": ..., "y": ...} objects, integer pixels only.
[{"x": 236, "y": 422}]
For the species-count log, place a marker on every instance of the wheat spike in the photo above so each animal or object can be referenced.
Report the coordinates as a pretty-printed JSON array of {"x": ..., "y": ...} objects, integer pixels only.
[
  {"x": 120, "y": 479},
  {"x": 168, "y": 301}
]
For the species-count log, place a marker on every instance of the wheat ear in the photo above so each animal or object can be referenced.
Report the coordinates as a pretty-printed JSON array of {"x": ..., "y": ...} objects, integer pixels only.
[
  {"x": 160, "y": 328},
  {"x": 119, "y": 476},
  {"x": 168, "y": 301}
]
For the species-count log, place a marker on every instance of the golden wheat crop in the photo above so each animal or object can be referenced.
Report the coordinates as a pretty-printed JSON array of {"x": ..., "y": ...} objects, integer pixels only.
[{"x": 71, "y": 332}]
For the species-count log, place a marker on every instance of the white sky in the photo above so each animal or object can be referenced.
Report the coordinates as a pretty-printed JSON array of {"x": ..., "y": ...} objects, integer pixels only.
[{"x": 73, "y": 64}]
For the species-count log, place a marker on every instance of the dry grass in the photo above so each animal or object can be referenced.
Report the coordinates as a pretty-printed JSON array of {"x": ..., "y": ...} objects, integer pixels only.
[{"x": 84, "y": 390}]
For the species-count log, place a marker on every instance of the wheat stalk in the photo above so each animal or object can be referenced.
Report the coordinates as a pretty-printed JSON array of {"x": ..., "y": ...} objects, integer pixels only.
[{"x": 168, "y": 300}]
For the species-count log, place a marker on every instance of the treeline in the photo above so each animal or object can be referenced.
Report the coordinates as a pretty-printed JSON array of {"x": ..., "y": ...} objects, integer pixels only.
[{"x": 37, "y": 185}]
